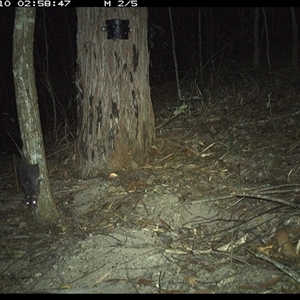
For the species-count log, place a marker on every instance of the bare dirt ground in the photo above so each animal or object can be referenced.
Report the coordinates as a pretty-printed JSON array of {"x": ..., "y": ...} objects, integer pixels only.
[{"x": 214, "y": 210}]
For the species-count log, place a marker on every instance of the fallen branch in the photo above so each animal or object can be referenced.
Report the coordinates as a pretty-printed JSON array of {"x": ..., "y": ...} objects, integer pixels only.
[
  {"x": 279, "y": 266},
  {"x": 272, "y": 199}
]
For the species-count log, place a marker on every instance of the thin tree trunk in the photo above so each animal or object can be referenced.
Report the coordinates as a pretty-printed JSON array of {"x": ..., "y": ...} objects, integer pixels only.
[
  {"x": 267, "y": 40},
  {"x": 295, "y": 39},
  {"x": 27, "y": 107},
  {"x": 255, "y": 36},
  {"x": 210, "y": 33},
  {"x": 200, "y": 45},
  {"x": 174, "y": 55}
]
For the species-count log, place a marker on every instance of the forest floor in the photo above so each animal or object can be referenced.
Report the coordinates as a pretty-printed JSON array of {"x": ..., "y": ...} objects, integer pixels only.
[{"x": 214, "y": 210}]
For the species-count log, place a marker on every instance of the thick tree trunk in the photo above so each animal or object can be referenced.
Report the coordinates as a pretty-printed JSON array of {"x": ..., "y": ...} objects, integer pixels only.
[
  {"x": 115, "y": 116},
  {"x": 27, "y": 107}
]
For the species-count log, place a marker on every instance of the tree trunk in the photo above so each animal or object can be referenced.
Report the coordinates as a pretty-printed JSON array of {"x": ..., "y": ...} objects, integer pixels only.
[
  {"x": 27, "y": 107},
  {"x": 255, "y": 37},
  {"x": 210, "y": 33},
  {"x": 200, "y": 45},
  {"x": 115, "y": 115},
  {"x": 295, "y": 39}
]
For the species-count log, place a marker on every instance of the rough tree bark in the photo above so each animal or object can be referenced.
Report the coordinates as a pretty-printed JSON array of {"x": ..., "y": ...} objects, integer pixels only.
[
  {"x": 27, "y": 107},
  {"x": 115, "y": 115}
]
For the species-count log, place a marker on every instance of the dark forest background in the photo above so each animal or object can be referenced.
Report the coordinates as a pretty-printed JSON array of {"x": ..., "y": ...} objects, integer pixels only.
[{"x": 227, "y": 43}]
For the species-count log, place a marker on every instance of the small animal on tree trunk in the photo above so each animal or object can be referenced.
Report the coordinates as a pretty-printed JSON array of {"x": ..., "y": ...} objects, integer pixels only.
[
  {"x": 28, "y": 175},
  {"x": 30, "y": 182}
]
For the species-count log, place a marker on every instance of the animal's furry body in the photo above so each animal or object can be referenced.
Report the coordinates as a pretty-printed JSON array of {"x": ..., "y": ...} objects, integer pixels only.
[
  {"x": 28, "y": 175},
  {"x": 30, "y": 182}
]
